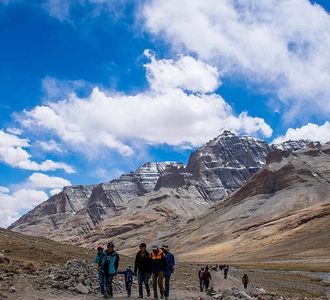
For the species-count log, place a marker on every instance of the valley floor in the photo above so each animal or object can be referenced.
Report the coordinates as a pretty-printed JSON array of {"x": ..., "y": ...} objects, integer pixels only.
[{"x": 185, "y": 285}]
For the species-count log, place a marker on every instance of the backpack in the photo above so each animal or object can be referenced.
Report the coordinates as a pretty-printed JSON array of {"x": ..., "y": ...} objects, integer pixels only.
[{"x": 201, "y": 274}]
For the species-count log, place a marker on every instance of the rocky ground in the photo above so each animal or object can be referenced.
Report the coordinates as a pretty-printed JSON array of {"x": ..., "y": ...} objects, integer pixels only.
[
  {"x": 77, "y": 279},
  {"x": 41, "y": 269}
]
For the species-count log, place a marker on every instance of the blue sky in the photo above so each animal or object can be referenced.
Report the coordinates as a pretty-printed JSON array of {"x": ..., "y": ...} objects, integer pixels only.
[{"x": 92, "y": 89}]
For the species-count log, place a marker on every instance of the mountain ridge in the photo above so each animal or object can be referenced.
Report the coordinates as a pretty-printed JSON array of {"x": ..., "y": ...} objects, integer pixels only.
[{"x": 127, "y": 208}]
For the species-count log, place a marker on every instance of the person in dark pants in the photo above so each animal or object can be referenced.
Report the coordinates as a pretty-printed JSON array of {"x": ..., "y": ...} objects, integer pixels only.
[
  {"x": 168, "y": 270},
  {"x": 128, "y": 273},
  {"x": 142, "y": 268},
  {"x": 206, "y": 278},
  {"x": 201, "y": 281},
  {"x": 158, "y": 265},
  {"x": 109, "y": 264},
  {"x": 245, "y": 280},
  {"x": 225, "y": 271},
  {"x": 99, "y": 254}
]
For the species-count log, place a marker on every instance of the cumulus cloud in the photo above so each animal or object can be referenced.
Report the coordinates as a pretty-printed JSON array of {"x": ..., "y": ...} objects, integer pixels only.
[
  {"x": 186, "y": 73},
  {"x": 13, "y": 154},
  {"x": 268, "y": 42},
  {"x": 40, "y": 180},
  {"x": 310, "y": 131},
  {"x": 11, "y": 205},
  {"x": 179, "y": 108},
  {"x": 20, "y": 198}
]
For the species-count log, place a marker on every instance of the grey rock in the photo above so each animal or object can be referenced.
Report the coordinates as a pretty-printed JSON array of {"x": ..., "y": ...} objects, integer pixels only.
[{"x": 81, "y": 289}]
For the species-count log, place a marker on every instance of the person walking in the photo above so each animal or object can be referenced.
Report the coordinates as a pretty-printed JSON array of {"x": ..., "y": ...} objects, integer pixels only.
[
  {"x": 201, "y": 281},
  {"x": 158, "y": 265},
  {"x": 128, "y": 273},
  {"x": 225, "y": 271},
  {"x": 168, "y": 269},
  {"x": 206, "y": 278},
  {"x": 142, "y": 268},
  {"x": 99, "y": 254},
  {"x": 109, "y": 264},
  {"x": 245, "y": 280}
]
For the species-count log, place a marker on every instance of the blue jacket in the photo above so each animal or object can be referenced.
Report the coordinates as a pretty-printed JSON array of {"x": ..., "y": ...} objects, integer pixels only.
[
  {"x": 109, "y": 262},
  {"x": 128, "y": 275},
  {"x": 170, "y": 263},
  {"x": 98, "y": 257}
]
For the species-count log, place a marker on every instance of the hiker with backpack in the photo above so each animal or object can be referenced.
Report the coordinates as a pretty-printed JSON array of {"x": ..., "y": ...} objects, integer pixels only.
[
  {"x": 168, "y": 270},
  {"x": 158, "y": 265},
  {"x": 201, "y": 281}
]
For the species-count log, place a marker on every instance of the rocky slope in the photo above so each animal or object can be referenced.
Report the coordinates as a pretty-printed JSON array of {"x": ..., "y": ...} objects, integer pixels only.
[
  {"x": 152, "y": 201},
  {"x": 282, "y": 211},
  {"x": 77, "y": 210}
]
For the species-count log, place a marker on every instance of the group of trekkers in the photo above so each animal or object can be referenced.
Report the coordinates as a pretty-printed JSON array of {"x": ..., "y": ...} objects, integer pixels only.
[
  {"x": 204, "y": 276},
  {"x": 150, "y": 268}
]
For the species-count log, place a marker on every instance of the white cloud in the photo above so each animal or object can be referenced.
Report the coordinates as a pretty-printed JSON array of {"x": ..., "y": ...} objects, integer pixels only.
[
  {"x": 50, "y": 146},
  {"x": 55, "y": 191},
  {"x": 167, "y": 113},
  {"x": 4, "y": 189},
  {"x": 11, "y": 140},
  {"x": 26, "y": 195},
  {"x": 283, "y": 45},
  {"x": 12, "y": 153},
  {"x": 309, "y": 132},
  {"x": 14, "y": 131},
  {"x": 58, "y": 8},
  {"x": 39, "y": 180},
  {"x": 186, "y": 73},
  {"x": 7, "y": 216},
  {"x": 11, "y": 205}
]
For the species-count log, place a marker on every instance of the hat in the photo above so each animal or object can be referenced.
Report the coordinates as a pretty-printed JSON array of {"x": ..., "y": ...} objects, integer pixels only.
[
  {"x": 165, "y": 247},
  {"x": 154, "y": 247},
  {"x": 128, "y": 266},
  {"x": 110, "y": 244},
  {"x": 100, "y": 246}
]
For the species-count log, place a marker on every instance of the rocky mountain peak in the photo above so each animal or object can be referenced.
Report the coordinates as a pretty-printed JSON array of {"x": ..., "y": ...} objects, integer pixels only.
[
  {"x": 164, "y": 195},
  {"x": 225, "y": 163}
]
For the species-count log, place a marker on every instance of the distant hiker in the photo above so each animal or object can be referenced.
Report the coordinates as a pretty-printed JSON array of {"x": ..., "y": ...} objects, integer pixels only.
[
  {"x": 3, "y": 259},
  {"x": 109, "y": 264},
  {"x": 142, "y": 265},
  {"x": 99, "y": 254},
  {"x": 206, "y": 278},
  {"x": 128, "y": 273},
  {"x": 158, "y": 265},
  {"x": 245, "y": 280},
  {"x": 225, "y": 271},
  {"x": 220, "y": 267},
  {"x": 201, "y": 281},
  {"x": 168, "y": 270}
]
